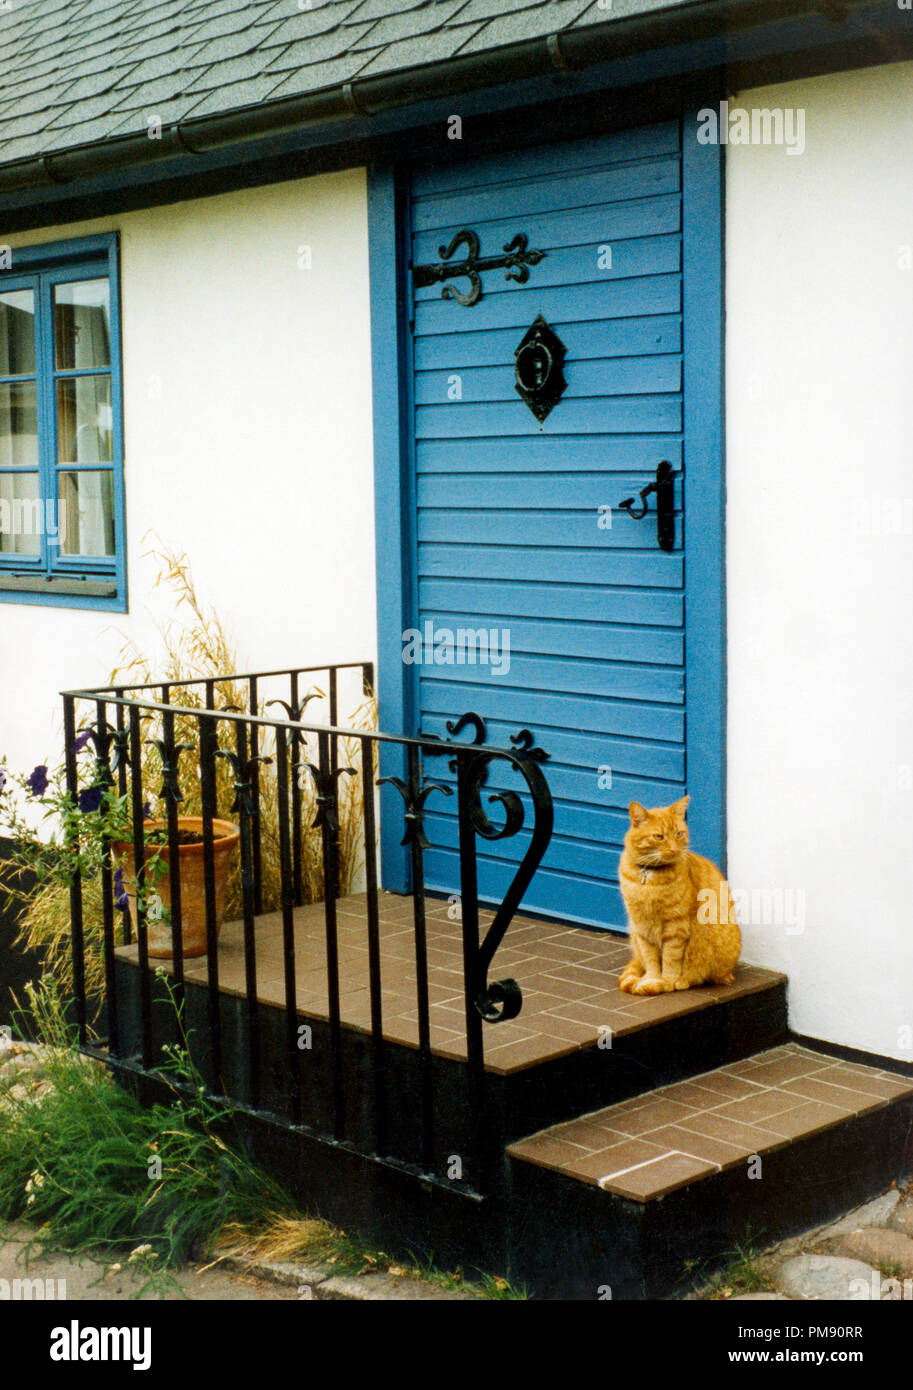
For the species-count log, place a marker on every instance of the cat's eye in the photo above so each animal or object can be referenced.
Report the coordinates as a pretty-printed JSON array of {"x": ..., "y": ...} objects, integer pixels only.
[
  {"x": 679, "y": 834},
  {"x": 657, "y": 837}
]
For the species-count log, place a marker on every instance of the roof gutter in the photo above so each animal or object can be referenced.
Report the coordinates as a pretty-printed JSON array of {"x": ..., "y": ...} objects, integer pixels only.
[{"x": 568, "y": 50}]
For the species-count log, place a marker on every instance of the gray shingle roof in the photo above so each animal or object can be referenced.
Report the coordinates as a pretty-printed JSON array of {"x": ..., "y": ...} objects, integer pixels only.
[{"x": 77, "y": 72}]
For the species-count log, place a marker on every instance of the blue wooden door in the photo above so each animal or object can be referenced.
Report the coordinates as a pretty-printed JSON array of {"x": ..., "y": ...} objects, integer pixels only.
[{"x": 516, "y": 523}]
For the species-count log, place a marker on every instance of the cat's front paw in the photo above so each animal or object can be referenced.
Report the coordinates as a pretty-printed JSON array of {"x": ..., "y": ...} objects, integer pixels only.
[{"x": 650, "y": 984}]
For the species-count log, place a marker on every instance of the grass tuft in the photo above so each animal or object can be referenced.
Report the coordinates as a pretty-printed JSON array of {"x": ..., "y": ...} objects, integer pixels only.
[
  {"x": 741, "y": 1273},
  {"x": 99, "y": 1174},
  {"x": 279, "y": 1238},
  {"x": 282, "y": 1239}
]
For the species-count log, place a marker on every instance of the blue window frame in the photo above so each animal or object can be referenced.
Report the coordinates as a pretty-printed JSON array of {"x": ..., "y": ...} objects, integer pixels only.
[{"x": 61, "y": 429}]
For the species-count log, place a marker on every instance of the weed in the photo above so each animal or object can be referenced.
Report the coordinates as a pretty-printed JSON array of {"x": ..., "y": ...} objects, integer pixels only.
[
  {"x": 99, "y": 1174},
  {"x": 741, "y": 1273},
  {"x": 283, "y": 1239}
]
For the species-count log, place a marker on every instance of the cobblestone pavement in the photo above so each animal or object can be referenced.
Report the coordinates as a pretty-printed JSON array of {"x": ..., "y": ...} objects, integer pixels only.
[{"x": 867, "y": 1255}]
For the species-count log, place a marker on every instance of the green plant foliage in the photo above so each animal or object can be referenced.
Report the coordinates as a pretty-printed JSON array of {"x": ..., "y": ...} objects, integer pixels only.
[
  {"x": 98, "y": 1173},
  {"x": 76, "y": 834}
]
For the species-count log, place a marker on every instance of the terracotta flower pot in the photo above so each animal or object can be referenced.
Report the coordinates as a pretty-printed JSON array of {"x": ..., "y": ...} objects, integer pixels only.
[{"x": 193, "y": 885}]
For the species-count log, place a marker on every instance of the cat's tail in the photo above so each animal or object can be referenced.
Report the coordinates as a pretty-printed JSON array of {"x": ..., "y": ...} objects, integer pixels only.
[{"x": 727, "y": 949}]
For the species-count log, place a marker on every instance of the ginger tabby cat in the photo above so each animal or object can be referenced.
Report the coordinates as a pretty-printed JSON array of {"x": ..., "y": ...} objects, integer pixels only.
[{"x": 676, "y": 941}]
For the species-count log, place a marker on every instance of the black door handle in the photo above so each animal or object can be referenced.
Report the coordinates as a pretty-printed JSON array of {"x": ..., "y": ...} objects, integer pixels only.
[{"x": 664, "y": 487}]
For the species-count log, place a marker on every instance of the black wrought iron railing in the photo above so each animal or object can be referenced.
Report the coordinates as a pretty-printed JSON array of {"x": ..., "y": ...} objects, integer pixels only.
[{"x": 302, "y": 798}]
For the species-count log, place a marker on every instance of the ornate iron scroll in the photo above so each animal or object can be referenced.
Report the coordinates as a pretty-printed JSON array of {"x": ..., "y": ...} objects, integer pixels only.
[
  {"x": 414, "y": 798},
  {"x": 295, "y": 712},
  {"x": 242, "y": 785},
  {"x": 170, "y": 786},
  {"x": 500, "y": 1000},
  {"x": 327, "y": 798},
  {"x": 516, "y": 261},
  {"x": 105, "y": 738}
]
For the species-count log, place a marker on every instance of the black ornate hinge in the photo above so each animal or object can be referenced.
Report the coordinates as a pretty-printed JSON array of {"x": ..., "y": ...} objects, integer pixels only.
[{"x": 516, "y": 260}]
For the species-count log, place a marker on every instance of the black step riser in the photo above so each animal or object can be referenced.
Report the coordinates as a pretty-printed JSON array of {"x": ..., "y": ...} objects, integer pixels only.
[
  {"x": 674, "y": 1049},
  {"x": 571, "y": 1240},
  {"x": 518, "y": 1104}
]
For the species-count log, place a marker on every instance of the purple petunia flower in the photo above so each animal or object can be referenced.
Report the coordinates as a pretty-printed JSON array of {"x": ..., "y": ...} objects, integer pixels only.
[
  {"x": 37, "y": 781},
  {"x": 81, "y": 742},
  {"x": 2, "y": 779},
  {"x": 89, "y": 799},
  {"x": 121, "y": 899},
  {"x": 147, "y": 811}
]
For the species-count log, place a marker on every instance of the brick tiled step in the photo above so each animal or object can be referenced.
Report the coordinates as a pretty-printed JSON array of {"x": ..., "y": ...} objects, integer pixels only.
[
  {"x": 641, "y": 1186},
  {"x": 627, "y": 1046},
  {"x": 568, "y": 975},
  {"x": 546, "y": 1065}
]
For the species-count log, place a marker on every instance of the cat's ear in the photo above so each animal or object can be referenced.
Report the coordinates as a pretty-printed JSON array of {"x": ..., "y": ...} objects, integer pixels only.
[
  {"x": 680, "y": 807},
  {"x": 637, "y": 813}
]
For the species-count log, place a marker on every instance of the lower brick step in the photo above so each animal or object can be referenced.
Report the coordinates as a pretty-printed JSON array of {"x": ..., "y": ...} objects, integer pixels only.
[{"x": 628, "y": 1197}]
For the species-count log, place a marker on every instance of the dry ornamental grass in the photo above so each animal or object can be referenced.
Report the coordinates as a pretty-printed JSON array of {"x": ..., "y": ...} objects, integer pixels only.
[{"x": 196, "y": 647}]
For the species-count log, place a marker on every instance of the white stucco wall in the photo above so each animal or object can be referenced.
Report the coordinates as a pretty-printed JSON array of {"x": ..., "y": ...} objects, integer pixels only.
[
  {"x": 248, "y": 444},
  {"x": 820, "y": 599}
]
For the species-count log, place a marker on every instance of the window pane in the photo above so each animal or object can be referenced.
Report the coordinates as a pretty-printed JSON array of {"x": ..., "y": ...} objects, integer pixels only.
[
  {"x": 87, "y": 513},
  {"x": 82, "y": 324},
  {"x": 21, "y": 514},
  {"x": 84, "y": 420},
  {"x": 17, "y": 333},
  {"x": 18, "y": 425}
]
